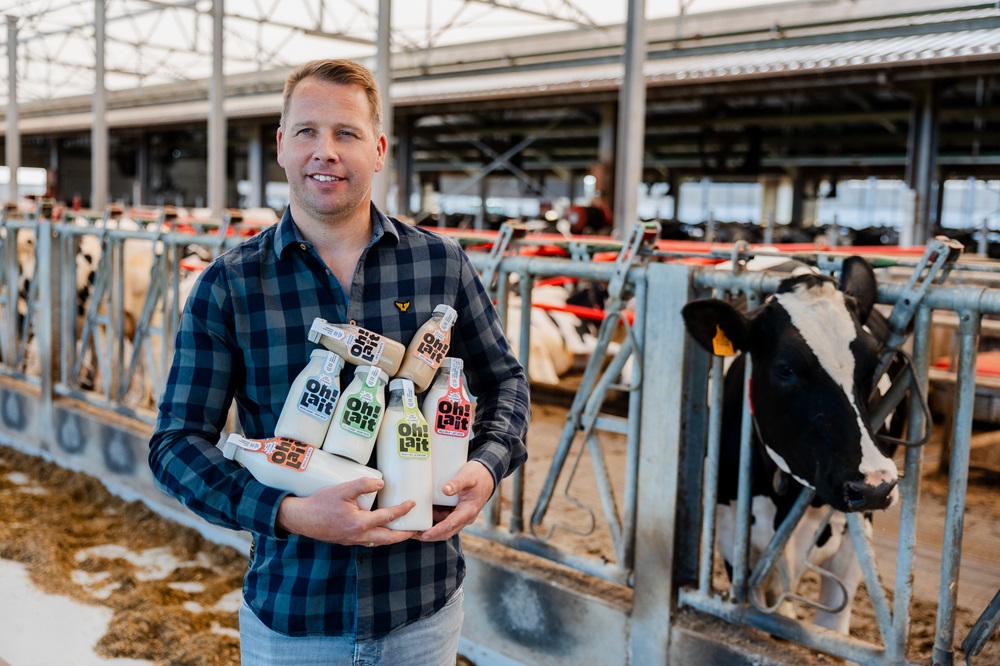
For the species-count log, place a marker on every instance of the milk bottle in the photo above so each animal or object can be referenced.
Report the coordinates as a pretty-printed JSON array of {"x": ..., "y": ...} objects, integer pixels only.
[
  {"x": 404, "y": 458},
  {"x": 296, "y": 467},
  {"x": 357, "y": 345},
  {"x": 428, "y": 348},
  {"x": 449, "y": 414},
  {"x": 311, "y": 400},
  {"x": 358, "y": 415}
]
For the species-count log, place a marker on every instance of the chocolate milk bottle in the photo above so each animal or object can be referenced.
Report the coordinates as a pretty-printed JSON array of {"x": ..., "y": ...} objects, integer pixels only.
[
  {"x": 428, "y": 348},
  {"x": 357, "y": 345}
]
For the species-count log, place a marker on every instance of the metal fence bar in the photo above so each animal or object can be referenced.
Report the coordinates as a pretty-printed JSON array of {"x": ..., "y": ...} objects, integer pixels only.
[
  {"x": 965, "y": 394},
  {"x": 895, "y": 643}
]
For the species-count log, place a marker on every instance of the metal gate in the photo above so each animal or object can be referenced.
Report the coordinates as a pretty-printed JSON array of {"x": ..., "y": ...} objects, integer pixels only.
[{"x": 661, "y": 537}]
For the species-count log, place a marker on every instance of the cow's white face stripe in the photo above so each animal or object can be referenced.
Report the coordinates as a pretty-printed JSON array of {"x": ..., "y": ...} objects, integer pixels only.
[
  {"x": 780, "y": 462},
  {"x": 822, "y": 318}
]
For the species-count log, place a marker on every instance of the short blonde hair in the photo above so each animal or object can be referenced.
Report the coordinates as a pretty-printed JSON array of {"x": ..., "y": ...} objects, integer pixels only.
[{"x": 342, "y": 72}]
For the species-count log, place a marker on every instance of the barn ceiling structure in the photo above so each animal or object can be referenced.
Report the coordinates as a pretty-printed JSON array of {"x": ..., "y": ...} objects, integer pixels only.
[{"x": 537, "y": 90}]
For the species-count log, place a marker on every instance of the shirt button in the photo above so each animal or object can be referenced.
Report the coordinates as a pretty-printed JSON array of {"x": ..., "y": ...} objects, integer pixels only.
[
  {"x": 362, "y": 558},
  {"x": 303, "y": 246}
]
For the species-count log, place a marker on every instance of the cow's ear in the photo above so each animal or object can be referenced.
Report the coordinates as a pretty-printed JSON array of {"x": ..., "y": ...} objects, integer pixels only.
[
  {"x": 713, "y": 323},
  {"x": 857, "y": 279}
]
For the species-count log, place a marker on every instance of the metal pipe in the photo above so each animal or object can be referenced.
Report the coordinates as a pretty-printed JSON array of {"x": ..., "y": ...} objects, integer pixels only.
[
  {"x": 99, "y": 130},
  {"x": 631, "y": 120},
  {"x": 633, "y": 441},
  {"x": 383, "y": 75},
  {"x": 217, "y": 115},
  {"x": 741, "y": 548},
  {"x": 12, "y": 144},
  {"x": 895, "y": 641},
  {"x": 710, "y": 485},
  {"x": 958, "y": 474}
]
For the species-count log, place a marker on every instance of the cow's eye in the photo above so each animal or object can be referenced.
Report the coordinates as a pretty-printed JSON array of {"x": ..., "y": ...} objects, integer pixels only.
[{"x": 784, "y": 372}]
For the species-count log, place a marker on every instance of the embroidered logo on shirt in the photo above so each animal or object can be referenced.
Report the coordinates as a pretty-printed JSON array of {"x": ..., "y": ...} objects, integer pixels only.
[{"x": 403, "y": 306}]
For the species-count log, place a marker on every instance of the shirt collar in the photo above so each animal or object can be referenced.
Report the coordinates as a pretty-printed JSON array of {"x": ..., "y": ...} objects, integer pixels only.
[{"x": 288, "y": 233}]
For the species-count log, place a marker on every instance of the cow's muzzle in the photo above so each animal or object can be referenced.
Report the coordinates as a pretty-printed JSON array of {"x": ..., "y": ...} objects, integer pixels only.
[{"x": 863, "y": 496}]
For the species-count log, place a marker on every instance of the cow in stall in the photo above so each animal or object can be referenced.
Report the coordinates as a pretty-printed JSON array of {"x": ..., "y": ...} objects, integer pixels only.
[
  {"x": 559, "y": 339},
  {"x": 814, "y": 346}
]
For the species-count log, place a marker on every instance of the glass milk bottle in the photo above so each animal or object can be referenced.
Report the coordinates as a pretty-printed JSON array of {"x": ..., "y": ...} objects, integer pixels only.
[
  {"x": 311, "y": 399},
  {"x": 296, "y": 467},
  {"x": 358, "y": 415},
  {"x": 428, "y": 348},
  {"x": 404, "y": 458},
  {"x": 449, "y": 413},
  {"x": 357, "y": 345}
]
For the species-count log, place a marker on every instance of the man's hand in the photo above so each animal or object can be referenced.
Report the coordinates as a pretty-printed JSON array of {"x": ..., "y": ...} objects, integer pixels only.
[
  {"x": 473, "y": 484},
  {"x": 332, "y": 514}
]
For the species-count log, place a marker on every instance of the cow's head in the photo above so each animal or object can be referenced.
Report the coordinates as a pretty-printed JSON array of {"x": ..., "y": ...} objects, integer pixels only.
[{"x": 813, "y": 363}]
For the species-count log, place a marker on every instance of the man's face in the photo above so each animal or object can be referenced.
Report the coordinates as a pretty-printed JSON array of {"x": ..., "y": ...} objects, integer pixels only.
[{"x": 329, "y": 151}]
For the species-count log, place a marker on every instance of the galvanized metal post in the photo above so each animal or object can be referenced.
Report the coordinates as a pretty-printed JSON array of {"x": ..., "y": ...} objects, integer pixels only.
[
  {"x": 217, "y": 116},
  {"x": 958, "y": 476},
  {"x": 659, "y": 461},
  {"x": 631, "y": 121},
  {"x": 255, "y": 167},
  {"x": 895, "y": 644},
  {"x": 99, "y": 128},
  {"x": 383, "y": 74},
  {"x": 12, "y": 144},
  {"x": 45, "y": 270}
]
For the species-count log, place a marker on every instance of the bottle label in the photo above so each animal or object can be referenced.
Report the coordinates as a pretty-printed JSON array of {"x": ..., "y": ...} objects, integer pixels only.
[
  {"x": 364, "y": 345},
  {"x": 433, "y": 347},
  {"x": 279, "y": 451},
  {"x": 319, "y": 397},
  {"x": 361, "y": 413},
  {"x": 412, "y": 437},
  {"x": 453, "y": 416}
]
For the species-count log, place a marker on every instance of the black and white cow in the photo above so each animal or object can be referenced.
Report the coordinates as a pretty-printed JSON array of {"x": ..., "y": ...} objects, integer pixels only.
[{"x": 814, "y": 347}]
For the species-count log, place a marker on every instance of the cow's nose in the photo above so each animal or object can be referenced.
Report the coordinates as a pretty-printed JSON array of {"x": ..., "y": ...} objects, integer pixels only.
[{"x": 861, "y": 496}]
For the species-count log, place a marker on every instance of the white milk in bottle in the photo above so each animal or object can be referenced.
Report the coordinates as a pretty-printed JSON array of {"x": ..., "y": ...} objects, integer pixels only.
[
  {"x": 449, "y": 414},
  {"x": 311, "y": 400},
  {"x": 358, "y": 416},
  {"x": 296, "y": 467},
  {"x": 357, "y": 345},
  {"x": 428, "y": 348},
  {"x": 404, "y": 458}
]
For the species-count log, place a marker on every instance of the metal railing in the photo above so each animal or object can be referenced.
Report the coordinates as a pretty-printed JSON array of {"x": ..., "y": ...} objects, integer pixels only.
[{"x": 100, "y": 329}]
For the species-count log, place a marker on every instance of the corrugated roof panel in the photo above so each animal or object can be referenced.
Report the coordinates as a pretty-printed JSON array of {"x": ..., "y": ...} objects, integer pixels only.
[{"x": 732, "y": 64}]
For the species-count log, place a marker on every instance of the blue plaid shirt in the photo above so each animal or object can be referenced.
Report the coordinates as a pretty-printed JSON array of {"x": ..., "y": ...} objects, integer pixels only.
[{"x": 243, "y": 335}]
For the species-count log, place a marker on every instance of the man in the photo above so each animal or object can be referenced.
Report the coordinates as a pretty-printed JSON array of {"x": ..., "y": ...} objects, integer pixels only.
[{"x": 327, "y": 582}]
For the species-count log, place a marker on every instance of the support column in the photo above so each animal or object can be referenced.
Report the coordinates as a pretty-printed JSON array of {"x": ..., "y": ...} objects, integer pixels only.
[
  {"x": 604, "y": 174},
  {"x": 922, "y": 164},
  {"x": 255, "y": 167},
  {"x": 217, "y": 117},
  {"x": 769, "y": 199},
  {"x": 12, "y": 141},
  {"x": 631, "y": 121},
  {"x": 140, "y": 187},
  {"x": 383, "y": 75},
  {"x": 405, "y": 166},
  {"x": 99, "y": 130}
]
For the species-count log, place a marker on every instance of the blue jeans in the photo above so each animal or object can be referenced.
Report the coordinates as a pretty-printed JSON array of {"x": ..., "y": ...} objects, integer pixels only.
[{"x": 430, "y": 641}]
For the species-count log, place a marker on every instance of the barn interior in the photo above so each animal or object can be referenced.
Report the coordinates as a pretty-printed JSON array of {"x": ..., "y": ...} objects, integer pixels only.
[{"x": 819, "y": 128}]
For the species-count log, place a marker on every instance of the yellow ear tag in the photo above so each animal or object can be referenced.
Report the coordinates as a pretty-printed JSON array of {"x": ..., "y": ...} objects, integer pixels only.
[{"x": 721, "y": 345}]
